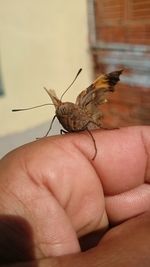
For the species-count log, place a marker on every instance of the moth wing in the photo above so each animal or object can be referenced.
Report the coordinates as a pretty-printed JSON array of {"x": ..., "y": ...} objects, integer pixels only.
[
  {"x": 96, "y": 93},
  {"x": 107, "y": 81},
  {"x": 53, "y": 97}
]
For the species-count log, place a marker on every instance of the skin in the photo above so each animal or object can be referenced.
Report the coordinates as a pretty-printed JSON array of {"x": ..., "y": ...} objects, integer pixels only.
[{"x": 52, "y": 194}]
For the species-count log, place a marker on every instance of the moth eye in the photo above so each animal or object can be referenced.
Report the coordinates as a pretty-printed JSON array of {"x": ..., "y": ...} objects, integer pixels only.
[{"x": 63, "y": 110}]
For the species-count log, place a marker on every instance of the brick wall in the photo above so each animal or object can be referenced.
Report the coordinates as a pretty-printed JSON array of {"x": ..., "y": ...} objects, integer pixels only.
[
  {"x": 120, "y": 38},
  {"x": 126, "y": 21}
]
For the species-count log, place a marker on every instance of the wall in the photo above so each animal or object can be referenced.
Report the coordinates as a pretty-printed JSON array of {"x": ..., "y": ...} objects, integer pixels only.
[
  {"x": 43, "y": 43},
  {"x": 120, "y": 38},
  {"x": 123, "y": 21}
]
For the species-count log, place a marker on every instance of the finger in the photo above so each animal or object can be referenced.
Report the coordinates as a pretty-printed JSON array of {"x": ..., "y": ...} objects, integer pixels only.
[
  {"x": 123, "y": 166},
  {"x": 122, "y": 160}
]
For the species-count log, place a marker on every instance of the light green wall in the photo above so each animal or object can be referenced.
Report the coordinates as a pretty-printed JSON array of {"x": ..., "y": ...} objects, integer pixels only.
[{"x": 42, "y": 43}]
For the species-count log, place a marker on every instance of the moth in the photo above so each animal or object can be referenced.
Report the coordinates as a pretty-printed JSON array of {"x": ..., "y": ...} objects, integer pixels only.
[{"x": 85, "y": 113}]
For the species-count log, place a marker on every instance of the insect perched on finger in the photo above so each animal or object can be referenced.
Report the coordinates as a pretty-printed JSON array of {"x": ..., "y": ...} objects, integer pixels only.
[{"x": 84, "y": 114}]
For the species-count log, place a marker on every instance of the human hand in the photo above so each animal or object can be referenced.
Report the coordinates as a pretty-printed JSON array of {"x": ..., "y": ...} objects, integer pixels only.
[{"x": 54, "y": 193}]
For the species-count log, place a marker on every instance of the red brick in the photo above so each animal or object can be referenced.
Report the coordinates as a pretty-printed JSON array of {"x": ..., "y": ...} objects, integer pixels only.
[{"x": 123, "y": 21}]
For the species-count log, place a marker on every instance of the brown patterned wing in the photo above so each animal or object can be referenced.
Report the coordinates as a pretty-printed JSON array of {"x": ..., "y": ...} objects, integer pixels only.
[{"x": 96, "y": 93}]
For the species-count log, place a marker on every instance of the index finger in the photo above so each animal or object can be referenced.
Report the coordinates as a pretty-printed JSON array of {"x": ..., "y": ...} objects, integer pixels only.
[{"x": 123, "y": 166}]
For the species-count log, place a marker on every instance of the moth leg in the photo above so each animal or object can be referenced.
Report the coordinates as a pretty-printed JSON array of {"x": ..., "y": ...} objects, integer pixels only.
[
  {"x": 89, "y": 132},
  {"x": 95, "y": 147},
  {"x": 49, "y": 128},
  {"x": 63, "y": 131},
  {"x": 113, "y": 128},
  {"x": 100, "y": 126},
  {"x": 93, "y": 122}
]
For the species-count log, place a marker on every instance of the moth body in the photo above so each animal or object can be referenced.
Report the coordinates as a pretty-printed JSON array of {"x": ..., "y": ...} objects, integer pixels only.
[{"x": 72, "y": 117}]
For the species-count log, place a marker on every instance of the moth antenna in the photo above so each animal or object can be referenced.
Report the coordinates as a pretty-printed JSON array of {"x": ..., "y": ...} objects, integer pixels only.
[
  {"x": 23, "y": 109},
  {"x": 71, "y": 83}
]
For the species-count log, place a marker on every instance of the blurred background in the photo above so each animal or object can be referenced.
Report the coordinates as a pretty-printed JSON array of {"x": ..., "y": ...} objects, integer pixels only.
[{"x": 44, "y": 43}]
